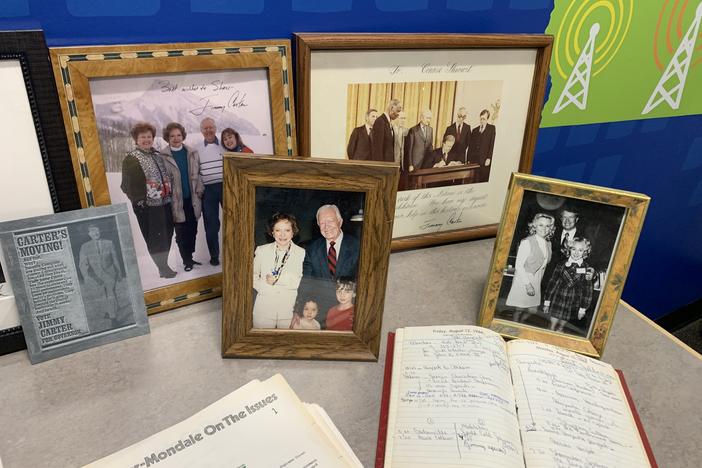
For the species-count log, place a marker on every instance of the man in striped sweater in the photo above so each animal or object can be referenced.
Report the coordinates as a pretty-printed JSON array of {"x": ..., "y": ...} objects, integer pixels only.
[{"x": 211, "y": 170}]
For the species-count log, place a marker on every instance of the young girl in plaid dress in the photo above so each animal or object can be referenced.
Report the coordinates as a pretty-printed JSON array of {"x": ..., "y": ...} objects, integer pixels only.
[{"x": 569, "y": 290}]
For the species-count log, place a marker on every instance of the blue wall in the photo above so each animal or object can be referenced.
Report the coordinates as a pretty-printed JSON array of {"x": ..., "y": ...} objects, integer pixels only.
[{"x": 659, "y": 157}]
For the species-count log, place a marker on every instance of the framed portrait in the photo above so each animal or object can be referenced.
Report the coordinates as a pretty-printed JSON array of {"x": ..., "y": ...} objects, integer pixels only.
[
  {"x": 148, "y": 124},
  {"x": 75, "y": 280},
  {"x": 36, "y": 161},
  {"x": 458, "y": 114},
  {"x": 560, "y": 262},
  {"x": 305, "y": 275}
]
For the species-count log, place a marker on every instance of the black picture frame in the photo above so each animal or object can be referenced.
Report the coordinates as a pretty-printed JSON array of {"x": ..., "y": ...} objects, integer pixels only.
[{"x": 30, "y": 50}]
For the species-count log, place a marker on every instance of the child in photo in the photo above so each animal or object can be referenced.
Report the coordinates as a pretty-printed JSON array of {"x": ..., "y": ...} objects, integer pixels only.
[
  {"x": 340, "y": 317},
  {"x": 308, "y": 320},
  {"x": 569, "y": 291}
]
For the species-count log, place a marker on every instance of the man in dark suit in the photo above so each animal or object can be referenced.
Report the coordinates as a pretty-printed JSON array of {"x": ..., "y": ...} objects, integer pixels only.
[
  {"x": 359, "y": 147},
  {"x": 482, "y": 142},
  {"x": 382, "y": 140},
  {"x": 461, "y": 132},
  {"x": 443, "y": 156},
  {"x": 418, "y": 144},
  {"x": 332, "y": 256}
]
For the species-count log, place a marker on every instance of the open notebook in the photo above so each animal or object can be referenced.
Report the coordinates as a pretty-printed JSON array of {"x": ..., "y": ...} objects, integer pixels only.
[
  {"x": 260, "y": 424},
  {"x": 461, "y": 396}
]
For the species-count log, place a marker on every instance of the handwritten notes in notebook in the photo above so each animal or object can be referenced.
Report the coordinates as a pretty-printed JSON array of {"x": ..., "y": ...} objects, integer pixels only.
[
  {"x": 451, "y": 401},
  {"x": 571, "y": 410}
]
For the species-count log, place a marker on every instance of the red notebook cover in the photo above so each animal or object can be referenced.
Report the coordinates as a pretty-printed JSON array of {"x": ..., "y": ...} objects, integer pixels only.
[{"x": 385, "y": 403}]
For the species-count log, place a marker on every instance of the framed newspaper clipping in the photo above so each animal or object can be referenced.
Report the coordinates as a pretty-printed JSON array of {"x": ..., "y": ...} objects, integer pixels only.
[
  {"x": 75, "y": 279},
  {"x": 458, "y": 113},
  {"x": 147, "y": 125}
]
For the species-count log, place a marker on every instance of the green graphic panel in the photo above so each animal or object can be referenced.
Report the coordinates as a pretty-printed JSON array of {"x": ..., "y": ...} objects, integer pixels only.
[{"x": 614, "y": 59}]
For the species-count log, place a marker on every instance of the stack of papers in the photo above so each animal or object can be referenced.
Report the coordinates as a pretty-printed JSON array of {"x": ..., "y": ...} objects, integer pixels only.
[{"x": 262, "y": 424}]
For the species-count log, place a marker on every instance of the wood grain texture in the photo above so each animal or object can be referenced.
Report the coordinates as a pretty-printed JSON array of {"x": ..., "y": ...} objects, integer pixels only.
[
  {"x": 242, "y": 174},
  {"x": 307, "y": 43},
  {"x": 635, "y": 204},
  {"x": 74, "y": 67}
]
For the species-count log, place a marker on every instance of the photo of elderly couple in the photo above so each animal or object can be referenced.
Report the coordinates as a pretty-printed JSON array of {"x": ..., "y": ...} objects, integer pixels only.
[
  {"x": 163, "y": 140},
  {"x": 306, "y": 259},
  {"x": 559, "y": 259},
  {"x": 402, "y": 122}
]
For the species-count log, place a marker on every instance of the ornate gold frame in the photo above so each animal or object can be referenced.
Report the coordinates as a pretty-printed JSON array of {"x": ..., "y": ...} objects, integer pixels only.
[
  {"x": 75, "y": 66},
  {"x": 242, "y": 174},
  {"x": 635, "y": 205}
]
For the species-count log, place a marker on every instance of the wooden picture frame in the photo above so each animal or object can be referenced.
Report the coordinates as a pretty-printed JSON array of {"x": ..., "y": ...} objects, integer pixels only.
[
  {"x": 75, "y": 279},
  {"x": 255, "y": 187},
  {"x": 586, "y": 235},
  {"x": 242, "y": 85},
  {"x": 36, "y": 160},
  {"x": 503, "y": 74}
]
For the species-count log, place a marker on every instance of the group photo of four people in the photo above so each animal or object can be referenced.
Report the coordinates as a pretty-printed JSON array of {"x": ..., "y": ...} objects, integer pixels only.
[
  {"x": 172, "y": 186},
  {"x": 384, "y": 136},
  {"x": 311, "y": 287}
]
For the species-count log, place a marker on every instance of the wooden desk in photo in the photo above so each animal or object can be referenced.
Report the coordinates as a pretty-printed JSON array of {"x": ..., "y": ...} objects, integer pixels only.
[{"x": 422, "y": 177}]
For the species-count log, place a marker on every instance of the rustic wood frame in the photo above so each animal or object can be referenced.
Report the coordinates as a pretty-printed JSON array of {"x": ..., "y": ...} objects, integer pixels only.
[
  {"x": 242, "y": 174},
  {"x": 635, "y": 204},
  {"x": 307, "y": 43},
  {"x": 74, "y": 66}
]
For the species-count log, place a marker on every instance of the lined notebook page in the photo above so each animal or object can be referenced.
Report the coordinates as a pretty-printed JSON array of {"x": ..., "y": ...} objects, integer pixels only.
[
  {"x": 451, "y": 400},
  {"x": 572, "y": 410}
]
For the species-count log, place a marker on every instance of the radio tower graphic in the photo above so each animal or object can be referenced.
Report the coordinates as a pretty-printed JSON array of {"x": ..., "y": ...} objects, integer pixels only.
[
  {"x": 676, "y": 71},
  {"x": 575, "y": 90},
  {"x": 602, "y": 26}
]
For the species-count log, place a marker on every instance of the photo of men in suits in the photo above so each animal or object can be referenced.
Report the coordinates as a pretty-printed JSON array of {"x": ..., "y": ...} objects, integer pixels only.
[
  {"x": 418, "y": 144},
  {"x": 359, "y": 147},
  {"x": 441, "y": 157},
  {"x": 333, "y": 255},
  {"x": 400, "y": 133},
  {"x": 482, "y": 142},
  {"x": 382, "y": 140},
  {"x": 460, "y": 130}
]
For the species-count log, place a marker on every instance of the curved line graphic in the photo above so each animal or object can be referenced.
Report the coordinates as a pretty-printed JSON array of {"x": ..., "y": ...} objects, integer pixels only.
[
  {"x": 621, "y": 42},
  {"x": 657, "y": 59}
]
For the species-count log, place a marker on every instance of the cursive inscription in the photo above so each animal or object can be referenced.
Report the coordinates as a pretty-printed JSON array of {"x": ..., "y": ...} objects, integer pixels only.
[{"x": 214, "y": 102}]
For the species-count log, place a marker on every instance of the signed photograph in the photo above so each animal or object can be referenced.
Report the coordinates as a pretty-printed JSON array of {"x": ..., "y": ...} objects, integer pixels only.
[
  {"x": 306, "y": 259},
  {"x": 75, "y": 280},
  {"x": 148, "y": 125},
  {"x": 457, "y": 113},
  {"x": 306, "y": 280},
  {"x": 560, "y": 262},
  {"x": 170, "y": 131}
]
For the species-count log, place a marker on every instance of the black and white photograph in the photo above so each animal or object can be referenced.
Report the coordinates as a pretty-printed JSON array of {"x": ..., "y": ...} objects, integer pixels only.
[
  {"x": 306, "y": 258},
  {"x": 162, "y": 138},
  {"x": 558, "y": 262},
  {"x": 439, "y": 132},
  {"x": 75, "y": 280}
]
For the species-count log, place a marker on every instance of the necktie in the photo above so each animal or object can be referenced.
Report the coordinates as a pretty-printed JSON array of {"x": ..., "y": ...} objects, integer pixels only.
[
  {"x": 459, "y": 130},
  {"x": 564, "y": 242},
  {"x": 331, "y": 259},
  {"x": 424, "y": 132},
  {"x": 481, "y": 129}
]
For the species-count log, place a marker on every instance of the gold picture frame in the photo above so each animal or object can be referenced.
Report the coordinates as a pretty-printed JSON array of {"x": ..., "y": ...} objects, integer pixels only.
[
  {"x": 502, "y": 75},
  {"x": 227, "y": 81},
  {"x": 257, "y": 187},
  {"x": 560, "y": 288}
]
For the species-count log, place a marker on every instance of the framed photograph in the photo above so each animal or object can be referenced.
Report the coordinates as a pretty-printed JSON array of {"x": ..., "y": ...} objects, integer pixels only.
[
  {"x": 148, "y": 125},
  {"x": 75, "y": 280},
  {"x": 36, "y": 159},
  {"x": 458, "y": 114},
  {"x": 560, "y": 262},
  {"x": 305, "y": 276}
]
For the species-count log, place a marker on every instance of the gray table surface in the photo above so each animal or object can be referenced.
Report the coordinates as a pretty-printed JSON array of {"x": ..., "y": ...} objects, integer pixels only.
[{"x": 78, "y": 408}]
